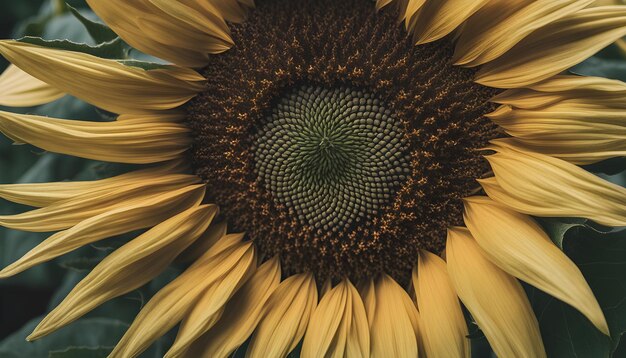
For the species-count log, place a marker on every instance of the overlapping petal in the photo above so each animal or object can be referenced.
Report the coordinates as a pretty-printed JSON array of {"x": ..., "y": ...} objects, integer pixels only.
[
  {"x": 541, "y": 185},
  {"x": 19, "y": 89},
  {"x": 173, "y": 37},
  {"x": 495, "y": 299},
  {"x": 393, "y": 319},
  {"x": 45, "y": 194},
  {"x": 519, "y": 246},
  {"x": 105, "y": 83},
  {"x": 579, "y": 132},
  {"x": 442, "y": 324},
  {"x": 286, "y": 318},
  {"x": 141, "y": 213},
  {"x": 437, "y": 19},
  {"x": 138, "y": 141},
  {"x": 339, "y": 326},
  {"x": 177, "y": 300},
  {"x": 67, "y": 213},
  {"x": 241, "y": 315},
  {"x": 555, "y": 47},
  {"x": 501, "y": 24},
  {"x": 129, "y": 267}
]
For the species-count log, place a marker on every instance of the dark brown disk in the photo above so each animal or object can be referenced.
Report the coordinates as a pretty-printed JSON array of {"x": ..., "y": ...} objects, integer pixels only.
[{"x": 329, "y": 43}]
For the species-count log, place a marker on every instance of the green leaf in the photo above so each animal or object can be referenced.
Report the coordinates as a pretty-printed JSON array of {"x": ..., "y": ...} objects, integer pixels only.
[
  {"x": 113, "y": 49},
  {"x": 565, "y": 331},
  {"x": 600, "y": 253},
  {"x": 82, "y": 352},
  {"x": 610, "y": 166},
  {"x": 602, "y": 67},
  {"x": 98, "y": 31}
]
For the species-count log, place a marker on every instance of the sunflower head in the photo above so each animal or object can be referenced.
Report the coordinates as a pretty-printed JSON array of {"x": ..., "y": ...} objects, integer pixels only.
[{"x": 372, "y": 178}]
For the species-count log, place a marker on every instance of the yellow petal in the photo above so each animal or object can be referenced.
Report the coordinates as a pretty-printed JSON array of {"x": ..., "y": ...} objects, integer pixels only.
[
  {"x": 580, "y": 90},
  {"x": 241, "y": 315},
  {"x": 519, "y": 246},
  {"x": 205, "y": 22},
  {"x": 495, "y": 299},
  {"x": 412, "y": 12},
  {"x": 442, "y": 324},
  {"x": 105, "y": 83},
  {"x": 45, "y": 194},
  {"x": 578, "y": 131},
  {"x": 19, "y": 89},
  {"x": 210, "y": 306},
  {"x": 392, "y": 317},
  {"x": 339, "y": 326},
  {"x": 129, "y": 267},
  {"x": 437, "y": 19},
  {"x": 581, "y": 85},
  {"x": 287, "y": 315},
  {"x": 501, "y": 24},
  {"x": 540, "y": 185},
  {"x": 555, "y": 47},
  {"x": 151, "y": 30},
  {"x": 137, "y": 141},
  {"x": 134, "y": 215},
  {"x": 176, "y": 300},
  {"x": 67, "y": 213}
]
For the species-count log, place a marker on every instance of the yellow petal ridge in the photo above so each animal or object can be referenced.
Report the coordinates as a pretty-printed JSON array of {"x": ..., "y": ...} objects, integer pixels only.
[
  {"x": 495, "y": 299},
  {"x": 518, "y": 245}
]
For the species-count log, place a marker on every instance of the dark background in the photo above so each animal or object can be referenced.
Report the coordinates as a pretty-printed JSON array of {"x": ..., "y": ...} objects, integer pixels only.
[{"x": 16, "y": 295}]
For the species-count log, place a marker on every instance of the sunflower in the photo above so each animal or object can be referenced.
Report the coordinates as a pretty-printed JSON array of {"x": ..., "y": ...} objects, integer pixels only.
[{"x": 377, "y": 179}]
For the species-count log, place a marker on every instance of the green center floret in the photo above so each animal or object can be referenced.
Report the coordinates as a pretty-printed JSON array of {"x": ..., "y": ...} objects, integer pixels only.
[{"x": 335, "y": 156}]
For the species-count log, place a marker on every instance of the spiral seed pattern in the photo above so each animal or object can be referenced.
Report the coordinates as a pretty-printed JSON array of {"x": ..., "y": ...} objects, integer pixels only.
[{"x": 333, "y": 155}]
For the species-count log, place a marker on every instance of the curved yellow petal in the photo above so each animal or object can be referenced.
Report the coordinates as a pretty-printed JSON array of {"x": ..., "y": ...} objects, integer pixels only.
[
  {"x": 130, "y": 141},
  {"x": 392, "y": 317},
  {"x": 442, "y": 324},
  {"x": 176, "y": 300},
  {"x": 520, "y": 247},
  {"x": 437, "y": 19},
  {"x": 411, "y": 13},
  {"x": 581, "y": 85},
  {"x": 501, "y": 24},
  {"x": 288, "y": 312},
  {"x": 210, "y": 306},
  {"x": 583, "y": 91},
  {"x": 580, "y": 132},
  {"x": 67, "y": 213},
  {"x": 555, "y": 47},
  {"x": 106, "y": 83},
  {"x": 339, "y": 326},
  {"x": 241, "y": 315},
  {"x": 153, "y": 31},
  {"x": 19, "y": 89},
  {"x": 496, "y": 300},
  {"x": 135, "y": 215},
  {"x": 540, "y": 185},
  {"x": 129, "y": 267},
  {"x": 45, "y": 194}
]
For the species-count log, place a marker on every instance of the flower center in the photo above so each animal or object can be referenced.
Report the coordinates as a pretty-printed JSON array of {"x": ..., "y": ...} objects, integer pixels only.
[
  {"x": 336, "y": 143},
  {"x": 333, "y": 156}
]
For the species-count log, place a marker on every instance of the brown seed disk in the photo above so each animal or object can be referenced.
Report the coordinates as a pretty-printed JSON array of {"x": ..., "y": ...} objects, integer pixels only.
[{"x": 286, "y": 44}]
